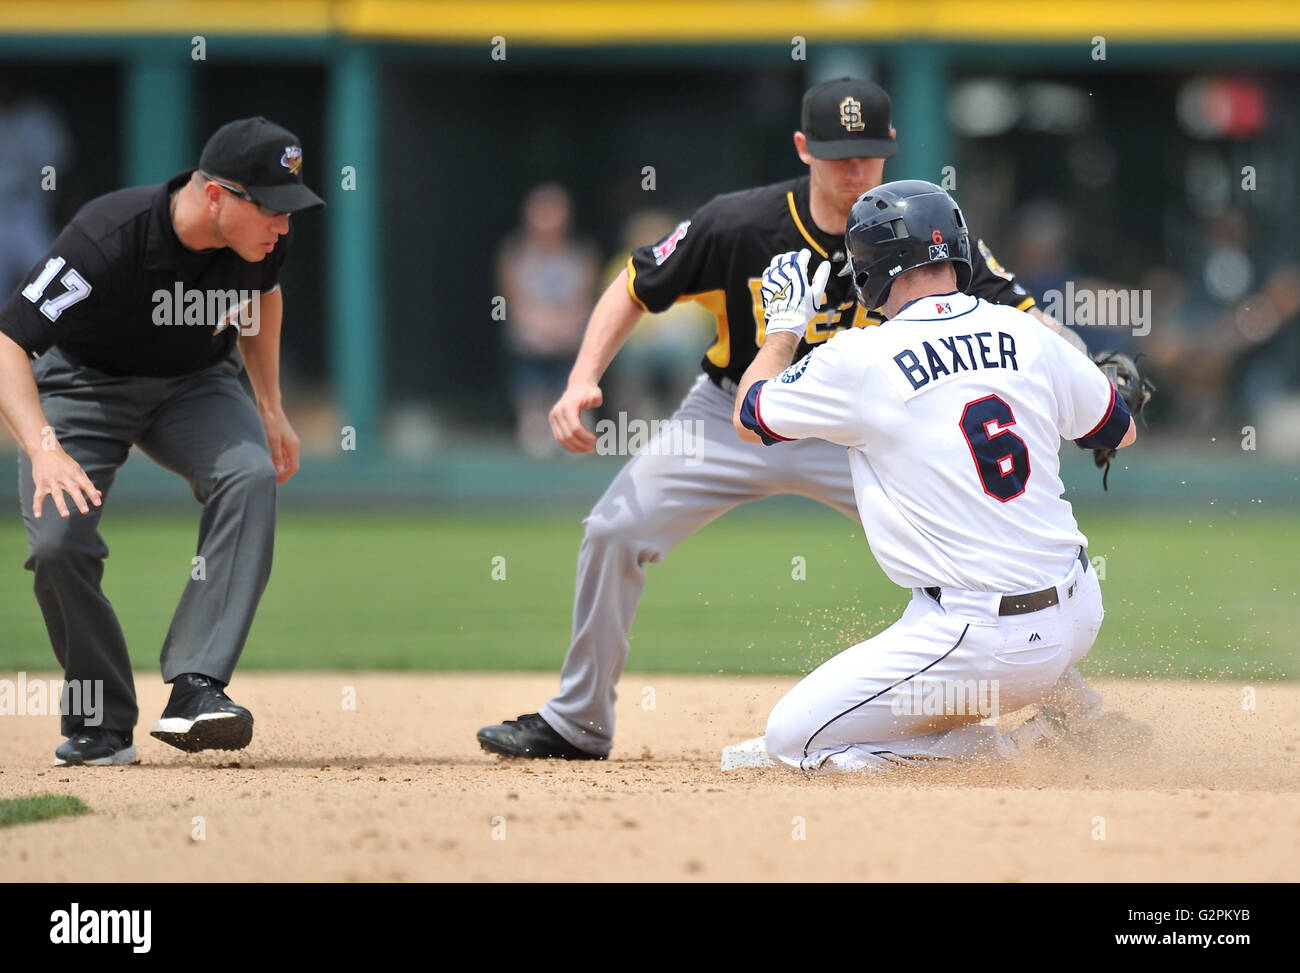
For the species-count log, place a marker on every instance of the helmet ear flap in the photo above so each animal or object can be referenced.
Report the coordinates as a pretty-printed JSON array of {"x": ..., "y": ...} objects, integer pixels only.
[
  {"x": 963, "y": 267},
  {"x": 963, "y": 274},
  {"x": 883, "y": 297},
  {"x": 860, "y": 280}
]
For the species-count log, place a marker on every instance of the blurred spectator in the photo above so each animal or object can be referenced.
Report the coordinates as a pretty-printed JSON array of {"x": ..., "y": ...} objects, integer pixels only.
[
  {"x": 1042, "y": 257},
  {"x": 548, "y": 279},
  {"x": 31, "y": 138},
  {"x": 1270, "y": 319},
  {"x": 655, "y": 368},
  {"x": 1190, "y": 351},
  {"x": 1046, "y": 265},
  {"x": 1230, "y": 318}
]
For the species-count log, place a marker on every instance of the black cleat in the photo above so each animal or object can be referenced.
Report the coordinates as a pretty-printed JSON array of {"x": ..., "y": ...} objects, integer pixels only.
[
  {"x": 530, "y": 736},
  {"x": 200, "y": 716},
  {"x": 96, "y": 746}
]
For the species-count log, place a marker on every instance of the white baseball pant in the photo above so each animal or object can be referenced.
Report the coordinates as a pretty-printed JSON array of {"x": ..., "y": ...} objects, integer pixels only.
[{"x": 921, "y": 688}]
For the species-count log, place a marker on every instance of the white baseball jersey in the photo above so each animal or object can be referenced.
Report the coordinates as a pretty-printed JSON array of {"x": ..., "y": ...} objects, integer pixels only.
[{"x": 953, "y": 413}]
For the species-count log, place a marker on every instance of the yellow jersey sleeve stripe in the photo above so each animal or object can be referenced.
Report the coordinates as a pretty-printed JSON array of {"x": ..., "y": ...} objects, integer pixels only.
[
  {"x": 794, "y": 215},
  {"x": 631, "y": 291}
]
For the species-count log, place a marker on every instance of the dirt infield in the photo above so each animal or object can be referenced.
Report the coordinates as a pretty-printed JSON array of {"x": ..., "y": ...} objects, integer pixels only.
[{"x": 397, "y": 789}]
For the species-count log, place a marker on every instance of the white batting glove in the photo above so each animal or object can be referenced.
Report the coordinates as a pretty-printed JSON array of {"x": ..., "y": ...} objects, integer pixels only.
[{"x": 790, "y": 300}]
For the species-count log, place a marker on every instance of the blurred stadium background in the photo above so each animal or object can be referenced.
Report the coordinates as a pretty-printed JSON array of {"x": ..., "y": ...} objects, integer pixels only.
[{"x": 1150, "y": 147}]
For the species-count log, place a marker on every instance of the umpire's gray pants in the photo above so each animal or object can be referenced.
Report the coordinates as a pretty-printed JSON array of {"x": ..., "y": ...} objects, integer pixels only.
[
  {"x": 654, "y": 504},
  {"x": 203, "y": 426}
]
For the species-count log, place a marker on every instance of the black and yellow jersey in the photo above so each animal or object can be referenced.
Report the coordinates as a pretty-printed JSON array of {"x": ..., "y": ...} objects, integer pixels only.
[{"x": 718, "y": 257}]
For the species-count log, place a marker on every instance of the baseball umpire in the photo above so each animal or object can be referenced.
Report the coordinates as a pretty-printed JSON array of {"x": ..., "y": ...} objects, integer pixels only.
[
  {"x": 140, "y": 319},
  {"x": 658, "y": 500}
]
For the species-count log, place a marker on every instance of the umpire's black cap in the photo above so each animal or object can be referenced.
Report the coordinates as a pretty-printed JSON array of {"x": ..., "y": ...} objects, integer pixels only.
[
  {"x": 846, "y": 118},
  {"x": 265, "y": 159}
]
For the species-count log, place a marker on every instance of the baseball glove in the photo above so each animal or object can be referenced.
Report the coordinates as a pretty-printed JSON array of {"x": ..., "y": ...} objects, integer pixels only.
[{"x": 1131, "y": 386}]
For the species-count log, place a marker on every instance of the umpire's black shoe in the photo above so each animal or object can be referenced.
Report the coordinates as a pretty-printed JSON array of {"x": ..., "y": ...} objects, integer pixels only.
[
  {"x": 200, "y": 716},
  {"x": 530, "y": 736},
  {"x": 96, "y": 746}
]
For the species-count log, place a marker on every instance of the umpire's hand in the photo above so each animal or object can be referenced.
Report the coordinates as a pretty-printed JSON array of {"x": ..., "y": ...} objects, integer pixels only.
[
  {"x": 56, "y": 473},
  {"x": 53, "y": 471},
  {"x": 284, "y": 443}
]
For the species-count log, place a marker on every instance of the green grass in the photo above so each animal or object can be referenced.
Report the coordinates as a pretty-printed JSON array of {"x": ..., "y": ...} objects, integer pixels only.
[
  {"x": 42, "y": 807},
  {"x": 1212, "y": 593}
]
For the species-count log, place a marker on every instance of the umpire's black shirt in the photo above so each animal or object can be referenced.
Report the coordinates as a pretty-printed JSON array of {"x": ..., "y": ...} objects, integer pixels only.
[{"x": 118, "y": 291}]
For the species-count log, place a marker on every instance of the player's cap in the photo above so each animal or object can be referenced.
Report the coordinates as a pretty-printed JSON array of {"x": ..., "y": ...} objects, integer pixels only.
[
  {"x": 847, "y": 118},
  {"x": 265, "y": 159}
]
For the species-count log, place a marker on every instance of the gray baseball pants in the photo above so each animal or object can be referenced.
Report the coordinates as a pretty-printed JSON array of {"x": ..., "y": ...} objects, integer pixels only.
[
  {"x": 660, "y": 497},
  {"x": 203, "y": 426}
]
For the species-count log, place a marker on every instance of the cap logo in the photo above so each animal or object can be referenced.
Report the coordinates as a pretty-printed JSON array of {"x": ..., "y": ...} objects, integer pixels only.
[
  {"x": 851, "y": 115},
  {"x": 292, "y": 158}
]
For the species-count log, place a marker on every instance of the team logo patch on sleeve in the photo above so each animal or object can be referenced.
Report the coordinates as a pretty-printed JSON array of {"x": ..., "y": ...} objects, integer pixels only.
[
  {"x": 792, "y": 373},
  {"x": 663, "y": 251}
]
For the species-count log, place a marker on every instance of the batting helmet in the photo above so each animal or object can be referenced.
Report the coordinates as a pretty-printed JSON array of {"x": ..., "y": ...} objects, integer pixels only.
[{"x": 899, "y": 226}]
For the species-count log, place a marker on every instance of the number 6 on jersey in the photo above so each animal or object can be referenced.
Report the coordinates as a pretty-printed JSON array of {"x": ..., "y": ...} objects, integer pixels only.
[{"x": 1001, "y": 457}]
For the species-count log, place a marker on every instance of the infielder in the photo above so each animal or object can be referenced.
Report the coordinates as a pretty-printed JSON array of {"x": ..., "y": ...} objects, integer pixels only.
[
  {"x": 952, "y": 412},
  {"x": 658, "y": 500},
  {"x": 133, "y": 317}
]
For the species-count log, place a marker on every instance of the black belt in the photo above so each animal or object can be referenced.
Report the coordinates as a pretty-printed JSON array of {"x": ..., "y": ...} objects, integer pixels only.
[{"x": 1032, "y": 602}]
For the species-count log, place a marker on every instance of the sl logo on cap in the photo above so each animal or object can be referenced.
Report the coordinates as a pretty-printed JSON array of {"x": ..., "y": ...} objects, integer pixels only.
[
  {"x": 292, "y": 158},
  {"x": 851, "y": 115}
]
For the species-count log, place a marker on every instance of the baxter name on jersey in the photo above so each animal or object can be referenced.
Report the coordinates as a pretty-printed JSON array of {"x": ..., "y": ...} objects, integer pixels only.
[{"x": 960, "y": 353}]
